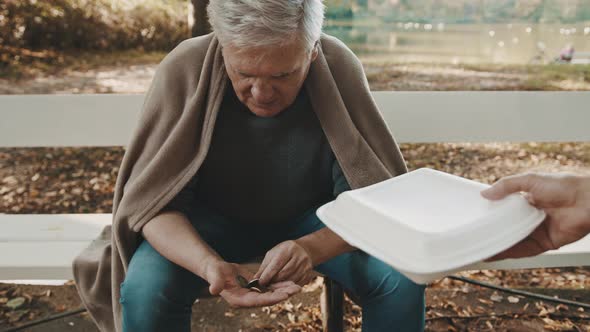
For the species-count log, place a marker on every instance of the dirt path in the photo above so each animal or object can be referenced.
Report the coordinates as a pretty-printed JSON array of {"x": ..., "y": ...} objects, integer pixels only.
[
  {"x": 400, "y": 77},
  {"x": 125, "y": 79}
]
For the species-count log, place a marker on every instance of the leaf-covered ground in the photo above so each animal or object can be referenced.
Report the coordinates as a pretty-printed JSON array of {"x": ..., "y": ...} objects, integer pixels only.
[{"x": 81, "y": 180}]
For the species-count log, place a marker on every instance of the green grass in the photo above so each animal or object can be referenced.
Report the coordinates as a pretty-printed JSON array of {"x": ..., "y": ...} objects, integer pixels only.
[
  {"x": 562, "y": 72},
  {"x": 538, "y": 77},
  {"x": 550, "y": 72}
]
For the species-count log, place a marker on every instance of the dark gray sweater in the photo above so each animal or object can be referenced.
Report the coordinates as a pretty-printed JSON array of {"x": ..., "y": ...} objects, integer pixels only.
[{"x": 264, "y": 170}]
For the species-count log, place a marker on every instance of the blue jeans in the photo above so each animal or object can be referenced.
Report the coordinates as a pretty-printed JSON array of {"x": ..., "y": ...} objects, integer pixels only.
[{"x": 157, "y": 295}]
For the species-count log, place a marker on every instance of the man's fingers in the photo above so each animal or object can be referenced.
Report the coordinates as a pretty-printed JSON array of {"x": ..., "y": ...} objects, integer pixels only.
[
  {"x": 271, "y": 270},
  {"x": 509, "y": 185},
  {"x": 216, "y": 286},
  {"x": 244, "y": 272},
  {"x": 246, "y": 298},
  {"x": 263, "y": 266},
  {"x": 298, "y": 277},
  {"x": 286, "y": 273},
  {"x": 288, "y": 287},
  {"x": 289, "y": 290},
  {"x": 254, "y": 299},
  {"x": 281, "y": 284},
  {"x": 529, "y": 197},
  {"x": 305, "y": 279}
]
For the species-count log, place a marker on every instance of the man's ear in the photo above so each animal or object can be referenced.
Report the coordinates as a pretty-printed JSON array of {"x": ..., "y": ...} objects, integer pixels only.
[{"x": 315, "y": 51}]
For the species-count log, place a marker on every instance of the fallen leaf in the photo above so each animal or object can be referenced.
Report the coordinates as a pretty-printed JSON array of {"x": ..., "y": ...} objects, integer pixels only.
[
  {"x": 305, "y": 317},
  {"x": 484, "y": 301},
  {"x": 16, "y": 303},
  {"x": 15, "y": 316},
  {"x": 496, "y": 298},
  {"x": 562, "y": 307}
]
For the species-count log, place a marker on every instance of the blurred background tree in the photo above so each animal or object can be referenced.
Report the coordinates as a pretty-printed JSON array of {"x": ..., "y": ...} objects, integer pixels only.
[
  {"x": 40, "y": 31},
  {"x": 198, "y": 18},
  {"x": 92, "y": 24}
]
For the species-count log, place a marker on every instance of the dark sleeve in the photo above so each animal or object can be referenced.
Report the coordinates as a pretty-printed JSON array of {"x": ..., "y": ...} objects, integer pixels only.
[
  {"x": 340, "y": 183},
  {"x": 184, "y": 199}
]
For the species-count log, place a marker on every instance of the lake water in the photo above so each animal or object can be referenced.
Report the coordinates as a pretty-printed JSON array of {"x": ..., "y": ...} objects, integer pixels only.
[{"x": 459, "y": 43}]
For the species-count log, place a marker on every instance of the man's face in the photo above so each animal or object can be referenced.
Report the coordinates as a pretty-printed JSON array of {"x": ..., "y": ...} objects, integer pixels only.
[{"x": 268, "y": 79}]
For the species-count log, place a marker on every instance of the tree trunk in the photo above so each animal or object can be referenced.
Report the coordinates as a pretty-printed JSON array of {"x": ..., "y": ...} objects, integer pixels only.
[{"x": 198, "y": 22}]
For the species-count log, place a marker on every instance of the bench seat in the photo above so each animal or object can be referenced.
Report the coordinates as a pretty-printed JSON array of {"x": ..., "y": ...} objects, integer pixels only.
[{"x": 43, "y": 246}]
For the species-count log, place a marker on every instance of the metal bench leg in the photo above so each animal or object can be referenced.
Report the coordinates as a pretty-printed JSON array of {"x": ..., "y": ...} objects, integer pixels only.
[{"x": 332, "y": 306}]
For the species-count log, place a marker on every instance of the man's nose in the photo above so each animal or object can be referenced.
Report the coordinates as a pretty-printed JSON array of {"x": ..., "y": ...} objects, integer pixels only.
[{"x": 262, "y": 92}]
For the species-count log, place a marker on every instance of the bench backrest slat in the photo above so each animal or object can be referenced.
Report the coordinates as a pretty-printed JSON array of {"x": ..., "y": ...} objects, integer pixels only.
[{"x": 108, "y": 120}]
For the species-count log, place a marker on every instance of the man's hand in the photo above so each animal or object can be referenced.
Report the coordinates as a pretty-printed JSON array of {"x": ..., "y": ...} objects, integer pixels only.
[
  {"x": 287, "y": 261},
  {"x": 565, "y": 199},
  {"x": 222, "y": 278}
]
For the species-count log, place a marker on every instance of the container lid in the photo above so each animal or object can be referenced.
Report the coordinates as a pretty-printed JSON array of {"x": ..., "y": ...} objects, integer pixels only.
[{"x": 428, "y": 222}]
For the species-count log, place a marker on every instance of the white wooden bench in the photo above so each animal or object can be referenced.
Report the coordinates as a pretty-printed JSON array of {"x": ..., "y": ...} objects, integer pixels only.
[
  {"x": 40, "y": 246},
  {"x": 581, "y": 58}
]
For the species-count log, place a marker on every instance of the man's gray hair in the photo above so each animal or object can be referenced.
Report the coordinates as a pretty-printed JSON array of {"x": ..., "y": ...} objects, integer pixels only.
[{"x": 258, "y": 23}]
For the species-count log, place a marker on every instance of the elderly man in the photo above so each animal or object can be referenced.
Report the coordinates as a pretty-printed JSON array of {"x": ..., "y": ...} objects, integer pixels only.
[{"x": 243, "y": 134}]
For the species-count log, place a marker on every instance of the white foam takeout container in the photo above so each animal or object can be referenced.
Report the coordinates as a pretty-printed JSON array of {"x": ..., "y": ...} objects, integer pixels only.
[{"x": 428, "y": 224}]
